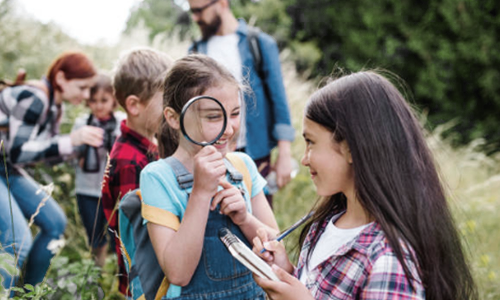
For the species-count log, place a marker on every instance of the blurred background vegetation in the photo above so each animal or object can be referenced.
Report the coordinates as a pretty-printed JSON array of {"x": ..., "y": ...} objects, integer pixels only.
[{"x": 446, "y": 51}]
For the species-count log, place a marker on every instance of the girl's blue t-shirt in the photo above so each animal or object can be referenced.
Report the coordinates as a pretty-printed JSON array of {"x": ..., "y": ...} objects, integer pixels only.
[{"x": 159, "y": 188}]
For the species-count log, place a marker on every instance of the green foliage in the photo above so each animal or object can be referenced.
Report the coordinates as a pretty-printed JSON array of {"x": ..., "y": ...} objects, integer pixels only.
[
  {"x": 80, "y": 278},
  {"x": 159, "y": 17},
  {"x": 38, "y": 292},
  {"x": 444, "y": 49},
  {"x": 8, "y": 264},
  {"x": 269, "y": 15}
]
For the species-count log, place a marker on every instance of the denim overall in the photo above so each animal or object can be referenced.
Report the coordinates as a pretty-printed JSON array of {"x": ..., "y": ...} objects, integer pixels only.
[{"x": 218, "y": 274}]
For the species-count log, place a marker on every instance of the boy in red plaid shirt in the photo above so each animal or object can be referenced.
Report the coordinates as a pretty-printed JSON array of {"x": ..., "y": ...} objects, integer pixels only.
[{"x": 138, "y": 86}]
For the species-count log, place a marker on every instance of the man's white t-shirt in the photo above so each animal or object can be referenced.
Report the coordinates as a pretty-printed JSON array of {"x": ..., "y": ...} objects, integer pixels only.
[{"x": 224, "y": 49}]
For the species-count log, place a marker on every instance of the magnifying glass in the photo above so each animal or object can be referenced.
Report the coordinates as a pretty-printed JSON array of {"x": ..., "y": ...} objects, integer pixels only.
[{"x": 203, "y": 120}]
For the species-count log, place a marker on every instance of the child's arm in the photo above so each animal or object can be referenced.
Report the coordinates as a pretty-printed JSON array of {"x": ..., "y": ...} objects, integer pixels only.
[{"x": 179, "y": 252}]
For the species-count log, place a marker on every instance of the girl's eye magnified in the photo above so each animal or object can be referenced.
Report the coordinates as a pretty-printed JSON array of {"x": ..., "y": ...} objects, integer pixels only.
[{"x": 203, "y": 120}]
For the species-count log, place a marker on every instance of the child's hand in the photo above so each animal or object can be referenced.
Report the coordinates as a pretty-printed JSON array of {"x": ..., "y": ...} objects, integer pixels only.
[
  {"x": 231, "y": 202},
  {"x": 209, "y": 168},
  {"x": 89, "y": 135},
  {"x": 275, "y": 251},
  {"x": 288, "y": 288}
]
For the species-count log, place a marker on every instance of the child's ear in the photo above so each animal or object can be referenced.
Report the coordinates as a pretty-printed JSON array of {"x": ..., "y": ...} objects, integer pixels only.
[
  {"x": 132, "y": 105},
  {"x": 172, "y": 118},
  {"x": 346, "y": 151}
]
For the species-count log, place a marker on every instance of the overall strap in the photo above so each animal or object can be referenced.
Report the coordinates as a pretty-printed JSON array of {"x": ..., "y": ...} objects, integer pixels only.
[
  {"x": 234, "y": 174},
  {"x": 238, "y": 163},
  {"x": 184, "y": 178}
]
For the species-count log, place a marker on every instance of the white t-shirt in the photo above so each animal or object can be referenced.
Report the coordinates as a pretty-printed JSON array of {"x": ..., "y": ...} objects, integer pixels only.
[
  {"x": 224, "y": 49},
  {"x": 329, "y": 242}
]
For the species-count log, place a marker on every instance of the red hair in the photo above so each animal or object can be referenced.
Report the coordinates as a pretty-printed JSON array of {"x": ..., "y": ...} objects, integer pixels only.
[{"x": 74, "y": 65}]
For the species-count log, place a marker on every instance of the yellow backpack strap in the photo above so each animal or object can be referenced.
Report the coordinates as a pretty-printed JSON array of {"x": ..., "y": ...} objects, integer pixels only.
[
  {"x": 162, "y": 291},
  {"x": 240, "y": 165},
  {"x": 159, "y": 216}
]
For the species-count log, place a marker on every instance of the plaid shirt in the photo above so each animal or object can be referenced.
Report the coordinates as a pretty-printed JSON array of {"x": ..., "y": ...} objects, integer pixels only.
[
  {"x": 129, "y": 155},
  {"x": 364, "y": 268},
  {"x": 33, "y": 122}
]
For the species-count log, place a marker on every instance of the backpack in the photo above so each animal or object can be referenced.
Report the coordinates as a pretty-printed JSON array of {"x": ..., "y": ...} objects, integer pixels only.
[{"x": 146, "y": 278}]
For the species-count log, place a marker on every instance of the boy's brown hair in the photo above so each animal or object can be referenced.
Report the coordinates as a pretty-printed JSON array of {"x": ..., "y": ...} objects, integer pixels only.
[{"x": 140, "y": 72}]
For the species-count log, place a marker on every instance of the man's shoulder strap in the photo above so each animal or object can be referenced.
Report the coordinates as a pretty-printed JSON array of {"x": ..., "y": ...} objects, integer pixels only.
[
  {"x": 194, "y": 46},
  {"x": 253, "y": 43},
  {"x": 240, "y": 165}
]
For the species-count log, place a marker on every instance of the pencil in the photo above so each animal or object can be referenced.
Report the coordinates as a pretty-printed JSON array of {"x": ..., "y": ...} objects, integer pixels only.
[{"x": 292, "y": 228}]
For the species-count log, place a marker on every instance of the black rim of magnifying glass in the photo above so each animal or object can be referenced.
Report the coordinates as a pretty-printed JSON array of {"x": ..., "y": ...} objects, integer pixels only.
[{"x": 185, "y": 108}]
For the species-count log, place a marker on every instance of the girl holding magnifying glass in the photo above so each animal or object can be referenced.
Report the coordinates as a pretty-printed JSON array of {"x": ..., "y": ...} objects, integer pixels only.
[{"x": 190, "y": 253}]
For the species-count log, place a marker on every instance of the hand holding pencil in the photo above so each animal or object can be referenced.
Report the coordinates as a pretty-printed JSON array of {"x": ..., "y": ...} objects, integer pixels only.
[{"x": 292, "y": 228}]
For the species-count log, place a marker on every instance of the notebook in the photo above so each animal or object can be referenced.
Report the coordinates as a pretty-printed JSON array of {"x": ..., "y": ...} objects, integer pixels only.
[{"x": 245, "y": 255}]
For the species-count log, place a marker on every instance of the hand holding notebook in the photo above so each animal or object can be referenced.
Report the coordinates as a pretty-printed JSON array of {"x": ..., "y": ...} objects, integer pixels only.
[{"x": 245, "y": 255}]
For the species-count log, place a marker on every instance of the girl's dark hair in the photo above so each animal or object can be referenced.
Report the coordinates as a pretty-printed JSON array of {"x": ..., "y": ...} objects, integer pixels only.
[
  {"x": 189, "y": 77},
  {"x": 395, "y": 179}
]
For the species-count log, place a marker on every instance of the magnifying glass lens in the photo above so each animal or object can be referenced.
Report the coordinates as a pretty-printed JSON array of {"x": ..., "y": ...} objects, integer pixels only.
[{"x": 204, "y": 121}]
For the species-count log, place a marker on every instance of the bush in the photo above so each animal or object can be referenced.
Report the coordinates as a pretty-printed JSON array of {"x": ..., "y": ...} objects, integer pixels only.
[{"x": 446, "y": 50}]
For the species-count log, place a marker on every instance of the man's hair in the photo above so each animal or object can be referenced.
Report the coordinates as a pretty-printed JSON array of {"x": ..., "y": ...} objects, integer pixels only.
[{"x": 140, "y": 72}]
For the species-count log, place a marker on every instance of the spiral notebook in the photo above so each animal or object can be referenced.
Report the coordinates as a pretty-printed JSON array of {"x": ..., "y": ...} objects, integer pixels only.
[{"x": 245, "y": 255}]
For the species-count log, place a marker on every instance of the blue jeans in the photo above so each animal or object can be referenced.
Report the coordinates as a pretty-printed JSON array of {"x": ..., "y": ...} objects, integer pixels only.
[
  {"x": 93, "y": 219},
  {"x": 15, "y": 235}
]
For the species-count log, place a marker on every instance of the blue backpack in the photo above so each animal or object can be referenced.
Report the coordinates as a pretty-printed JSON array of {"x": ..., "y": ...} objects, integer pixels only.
[{"x": 146, "y": 278}]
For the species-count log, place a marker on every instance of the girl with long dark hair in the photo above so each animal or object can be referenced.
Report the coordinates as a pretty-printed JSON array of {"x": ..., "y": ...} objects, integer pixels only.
[{"x": 382, "y": 228}]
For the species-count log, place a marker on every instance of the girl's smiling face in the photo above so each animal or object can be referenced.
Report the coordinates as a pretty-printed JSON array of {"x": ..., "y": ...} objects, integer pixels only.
[{"x": 329, "y": 162}]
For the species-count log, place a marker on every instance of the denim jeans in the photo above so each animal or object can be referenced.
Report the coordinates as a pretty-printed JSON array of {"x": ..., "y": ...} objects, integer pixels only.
[
  {"x": 15, "y": 236},
  {"x": 92, "y": 215}
]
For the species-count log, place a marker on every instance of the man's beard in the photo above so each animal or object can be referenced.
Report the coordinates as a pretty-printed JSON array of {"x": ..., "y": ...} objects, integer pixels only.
[{"x": 209, "y": 29}]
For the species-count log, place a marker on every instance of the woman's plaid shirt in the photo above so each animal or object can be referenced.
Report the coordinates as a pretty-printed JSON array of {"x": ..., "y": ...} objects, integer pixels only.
[
  {"x": 364, "y": 268},
  {"x": 31, "y": 131}
]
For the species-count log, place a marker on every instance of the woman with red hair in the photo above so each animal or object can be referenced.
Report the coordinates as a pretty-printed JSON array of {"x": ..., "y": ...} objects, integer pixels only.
[{"x": 30, "y": 114}]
